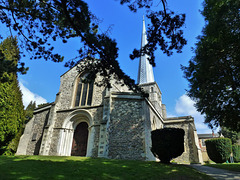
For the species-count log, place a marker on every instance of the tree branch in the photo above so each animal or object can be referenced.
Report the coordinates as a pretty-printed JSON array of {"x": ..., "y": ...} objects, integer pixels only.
[
  {"x": 20, "y": 29},
  {"x": 77, "y": 30}
]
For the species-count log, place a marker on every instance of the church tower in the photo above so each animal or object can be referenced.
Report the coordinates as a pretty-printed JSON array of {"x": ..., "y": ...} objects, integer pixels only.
[
  {"x": 146, "y": 78},
  {"x": 145, "y": 71}
]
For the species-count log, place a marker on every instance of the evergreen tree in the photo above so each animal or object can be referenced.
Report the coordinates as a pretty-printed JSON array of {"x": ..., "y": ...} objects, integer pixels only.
[
  {"x": 233, "y": 135},
  {"x": 214, "y": 71},
  {"x": 11, "y": 106},
  {"x": 29, "y": 111},
  {"x": 43, "y": 105}
]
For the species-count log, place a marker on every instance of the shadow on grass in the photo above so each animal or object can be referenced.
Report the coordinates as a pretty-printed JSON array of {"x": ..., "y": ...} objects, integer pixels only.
[{"x": 45, "y": 167}]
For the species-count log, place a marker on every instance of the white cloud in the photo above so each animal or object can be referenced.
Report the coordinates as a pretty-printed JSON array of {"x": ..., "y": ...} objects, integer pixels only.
[
  {"x": 170, "y": 115},
  {"x": 30, "y": 96},
  {"x": 185, "y": 106}
]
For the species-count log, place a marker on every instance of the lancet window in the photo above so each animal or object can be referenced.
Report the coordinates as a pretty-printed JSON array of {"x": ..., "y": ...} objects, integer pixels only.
[{"x": 84, "y": 92}]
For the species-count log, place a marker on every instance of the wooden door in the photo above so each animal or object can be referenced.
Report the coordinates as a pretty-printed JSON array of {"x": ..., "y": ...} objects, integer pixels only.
[{"x": 80, "y": 139}]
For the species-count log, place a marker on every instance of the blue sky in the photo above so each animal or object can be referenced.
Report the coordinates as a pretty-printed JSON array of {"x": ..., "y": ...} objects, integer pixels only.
[{"x": 42, "y": 81}]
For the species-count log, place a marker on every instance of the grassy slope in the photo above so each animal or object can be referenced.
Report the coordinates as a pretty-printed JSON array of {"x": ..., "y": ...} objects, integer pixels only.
[
  {"x": 229, "y": 166},
  {"x": 45, "y": 167}
]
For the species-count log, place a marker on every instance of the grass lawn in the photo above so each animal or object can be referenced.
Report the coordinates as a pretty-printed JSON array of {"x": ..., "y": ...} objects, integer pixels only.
[
  {"x": 46, "y": 167},
  {"x": 229, "y": 166}
]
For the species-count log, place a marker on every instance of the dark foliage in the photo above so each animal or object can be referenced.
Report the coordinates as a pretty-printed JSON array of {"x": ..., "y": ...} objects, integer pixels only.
[
  {"x": 43, "y": 105},
  {"x": 29, "y": 111},
  {"x": 164, "y": 33},
  {"x": 214, "y": 72},
  {"x": 236, "y": 153},
  {"x": 9, "y": 60},
  {"x": 167, "y": 143},
  {"x": 40, "y": 23},
  {"x": 233, "y": 135},
  {"x": 219, "y": 149}
]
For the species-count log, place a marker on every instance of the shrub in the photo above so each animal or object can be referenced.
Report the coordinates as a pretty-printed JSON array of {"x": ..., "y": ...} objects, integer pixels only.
[
  {"x": 219, "y": 149},
  {"x": 236, "y": 153},
  {"x": 167, "y": 143}
]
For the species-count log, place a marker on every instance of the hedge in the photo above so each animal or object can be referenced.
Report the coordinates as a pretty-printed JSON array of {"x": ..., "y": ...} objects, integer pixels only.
[
  {"x": 219, "y": 149},
  {"x": 167, "y": 143},
  {"x": 236, "y": 153}
]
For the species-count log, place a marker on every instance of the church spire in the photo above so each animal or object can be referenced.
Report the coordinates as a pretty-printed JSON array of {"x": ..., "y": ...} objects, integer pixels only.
[{"x": 145, "y": 71}]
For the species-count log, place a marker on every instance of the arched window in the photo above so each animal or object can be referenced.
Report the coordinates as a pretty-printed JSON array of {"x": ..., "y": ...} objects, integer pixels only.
[{"x": 84, "y": 93}]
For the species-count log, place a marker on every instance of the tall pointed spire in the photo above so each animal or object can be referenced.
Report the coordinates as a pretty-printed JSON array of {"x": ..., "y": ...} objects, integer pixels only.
[{"x": 145, "y": 71}]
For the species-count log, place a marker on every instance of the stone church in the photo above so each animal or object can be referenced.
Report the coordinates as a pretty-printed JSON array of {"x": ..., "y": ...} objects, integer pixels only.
[{"x": 88, "y": 120}]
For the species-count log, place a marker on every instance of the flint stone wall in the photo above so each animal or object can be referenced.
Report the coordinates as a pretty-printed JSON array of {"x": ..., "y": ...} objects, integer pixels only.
[
  {"x": 126, "y": 130},
  {"x": 39, "y": 122}
]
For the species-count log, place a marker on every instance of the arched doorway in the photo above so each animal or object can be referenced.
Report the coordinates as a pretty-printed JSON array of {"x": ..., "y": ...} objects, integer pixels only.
[
  {"x": 80, "y": 140},
  {"x": 69, "y": 127}
]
